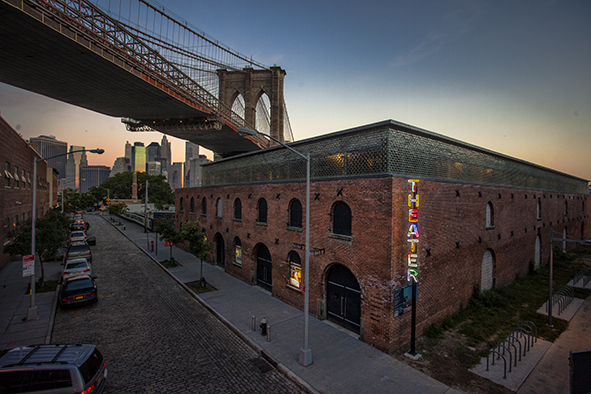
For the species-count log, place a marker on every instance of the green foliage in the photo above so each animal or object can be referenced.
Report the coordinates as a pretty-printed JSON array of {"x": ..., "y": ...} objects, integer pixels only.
[
  {"x": 118, "y": 209},
  {"x": 198, "y": 244},
  {"x": 120, "y": 187},
  {"x": 165, "y": 227},
  {"x": 74, "y": 201},
  {"x": 492, "y": 315}
]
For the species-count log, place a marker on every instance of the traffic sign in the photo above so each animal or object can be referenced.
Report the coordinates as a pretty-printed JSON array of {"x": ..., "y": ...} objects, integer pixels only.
[{"x": 28, "y": 265}]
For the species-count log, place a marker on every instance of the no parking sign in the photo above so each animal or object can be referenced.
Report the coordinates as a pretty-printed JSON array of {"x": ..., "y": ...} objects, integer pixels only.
[{"x": 28, "y": 265}]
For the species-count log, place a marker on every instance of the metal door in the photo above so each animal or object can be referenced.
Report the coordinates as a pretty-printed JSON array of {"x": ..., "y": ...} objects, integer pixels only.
[
  {"x": 264, "y": 268},
  {"x": 343, "y": 299}
]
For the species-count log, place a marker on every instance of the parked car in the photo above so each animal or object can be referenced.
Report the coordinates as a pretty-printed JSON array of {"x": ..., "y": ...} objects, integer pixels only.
[
  {"x": 79, "y": 290},
  {"x": 79, "y": 249},
  {"x": 53, "y": 369},
  {"x": 76, "y": 267},
  {"x": 77, "y": 236}
]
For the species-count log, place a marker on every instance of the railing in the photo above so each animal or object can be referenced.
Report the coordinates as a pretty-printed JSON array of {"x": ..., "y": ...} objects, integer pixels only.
[
  {"x": 584, "y": 275},
  {"x": 525, "y": 335}
]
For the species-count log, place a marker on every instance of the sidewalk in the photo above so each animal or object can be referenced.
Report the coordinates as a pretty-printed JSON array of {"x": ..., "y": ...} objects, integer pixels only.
[{"x": 342, "y": 363}]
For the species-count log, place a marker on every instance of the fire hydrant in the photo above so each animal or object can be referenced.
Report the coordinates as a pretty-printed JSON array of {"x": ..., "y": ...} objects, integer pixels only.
[{"x": 264, "y": 326}]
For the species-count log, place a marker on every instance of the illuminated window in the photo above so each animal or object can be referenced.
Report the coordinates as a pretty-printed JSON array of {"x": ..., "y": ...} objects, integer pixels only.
[
  {"x": 341, "y": 219},
  {"x": 192, "y": 205},
  {"x": 237, "y": 209},
  {"x": 262, "y": 211},
  {"x": 204, "y": 206},
  {"x": 295, "y": 269},
  {"x": 490, "y": 215},
  {"x": 295, "y": 214}
]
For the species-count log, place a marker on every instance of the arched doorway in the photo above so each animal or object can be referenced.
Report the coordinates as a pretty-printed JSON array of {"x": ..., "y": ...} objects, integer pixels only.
[
  {"x": 264, "y": 268},
  {"x": 538, "y": 253},
  {"x": 486, "y": 278},
  {"x": 220, "y": 255},
  {"x": 343, "y": 298}
]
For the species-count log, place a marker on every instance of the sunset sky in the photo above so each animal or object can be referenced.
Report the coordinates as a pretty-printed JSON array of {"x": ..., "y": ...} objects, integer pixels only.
[{"x": 512, "y": 76}]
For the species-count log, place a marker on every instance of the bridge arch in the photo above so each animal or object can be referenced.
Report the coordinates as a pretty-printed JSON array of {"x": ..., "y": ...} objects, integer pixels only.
[{"x": 252, "y": 84}]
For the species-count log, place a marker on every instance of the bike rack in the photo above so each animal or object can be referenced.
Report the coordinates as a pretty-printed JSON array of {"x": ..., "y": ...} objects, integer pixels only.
[{"x": 526, "y": 331}]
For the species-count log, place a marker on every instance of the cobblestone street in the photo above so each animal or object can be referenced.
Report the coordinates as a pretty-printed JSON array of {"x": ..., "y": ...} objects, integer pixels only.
[{"x": 154, "y": 336}]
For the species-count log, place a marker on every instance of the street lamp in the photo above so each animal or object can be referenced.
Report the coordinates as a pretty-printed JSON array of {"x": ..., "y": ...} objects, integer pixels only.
[
  {"x": 32, "y": 314},
  {"x": 305, "y": 358}
]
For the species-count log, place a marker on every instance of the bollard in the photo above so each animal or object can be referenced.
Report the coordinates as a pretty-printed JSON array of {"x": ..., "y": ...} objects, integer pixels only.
[
  {"x": 264, "y": 326},
  {"x": 268, "y": 333},
  {"x": 254, "y": 323}
]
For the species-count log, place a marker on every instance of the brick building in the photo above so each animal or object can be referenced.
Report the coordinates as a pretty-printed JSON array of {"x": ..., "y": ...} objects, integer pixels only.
[
  {"x": 16, "y": 199},
  {"x": 388, "y": 201}
]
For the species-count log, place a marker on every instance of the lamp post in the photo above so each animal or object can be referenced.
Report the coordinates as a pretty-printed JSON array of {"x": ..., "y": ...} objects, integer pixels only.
[
  {"x": 32, "y": 313},
  {"x": 305, "y": 357}
]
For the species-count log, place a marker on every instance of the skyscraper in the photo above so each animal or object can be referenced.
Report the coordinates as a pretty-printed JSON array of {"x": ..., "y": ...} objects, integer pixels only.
[
  {"x": 92, "y": 176},
  {"x": 191, "y": 152},
  {"x": 127, "y": 150},
  {"x": 138, "y": 157},
  {"x": 165, "y": 151},
  {"x": 153, "y": 152},
  {"x": 48, "y": 146}
]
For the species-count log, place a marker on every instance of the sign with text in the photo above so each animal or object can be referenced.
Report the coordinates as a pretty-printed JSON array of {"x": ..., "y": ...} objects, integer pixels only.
[{"x": 28, "y": 265}]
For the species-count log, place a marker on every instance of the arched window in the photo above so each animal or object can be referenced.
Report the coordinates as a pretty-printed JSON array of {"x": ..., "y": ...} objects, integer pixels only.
[
  {"x": 295, "y": 269},
  {"x": 566, "y": 208},
  {"x": 204, "y": 206},
  {"x": 341, "y": 219},
  {"x": 490, "y": 215},
  {"x": 237, "y": 209},
  {"x": 262, "y": 208},
  {"x": 237, "y": 251},
  {"x": 192, "y": 205},
  {"x": 218, "y": 204},
  {"x": 487, "y": 281},
  {"x": 295, "y": 213},
  {"x": 181, "y": 207},
  {"x": 539, "y": 208},
  {"x": 564, "y": 235}
]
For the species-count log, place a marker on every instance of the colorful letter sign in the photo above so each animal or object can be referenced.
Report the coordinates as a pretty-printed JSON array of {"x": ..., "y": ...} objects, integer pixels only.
[{"x": 412, "y": 236}]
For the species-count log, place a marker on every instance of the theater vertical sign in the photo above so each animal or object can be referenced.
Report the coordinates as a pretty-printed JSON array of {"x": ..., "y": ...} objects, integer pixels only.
[{"x": 412, "y": 236}]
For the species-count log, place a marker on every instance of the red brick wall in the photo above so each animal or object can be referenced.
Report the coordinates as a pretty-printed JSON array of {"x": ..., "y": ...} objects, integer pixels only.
[
  {"x": 18, "y": 201},
  {"x": 453, "y": 239}
]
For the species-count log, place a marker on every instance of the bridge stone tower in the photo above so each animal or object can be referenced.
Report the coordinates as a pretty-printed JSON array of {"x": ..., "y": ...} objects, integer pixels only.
[{"x": 252, "y": 84}]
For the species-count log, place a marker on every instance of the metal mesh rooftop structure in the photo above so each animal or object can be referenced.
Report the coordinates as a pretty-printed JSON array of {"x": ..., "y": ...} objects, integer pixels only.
[{"x": 389, "y": 149}]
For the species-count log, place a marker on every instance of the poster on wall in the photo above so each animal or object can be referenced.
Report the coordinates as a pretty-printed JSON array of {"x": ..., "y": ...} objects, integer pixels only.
[
  {"x": 402, "y": 300},
  {"x": 295, "y": 277}
]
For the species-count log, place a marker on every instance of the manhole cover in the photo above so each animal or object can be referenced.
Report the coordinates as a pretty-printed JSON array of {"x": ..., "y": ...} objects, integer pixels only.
[{"x": 262, "y": 364}]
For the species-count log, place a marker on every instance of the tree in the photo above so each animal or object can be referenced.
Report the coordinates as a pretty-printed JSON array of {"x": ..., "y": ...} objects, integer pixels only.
[
  {"x": 118, "y": 209},
  {"x": 119, "y": 185},
  {"x": 51, "y": 233},
  {"x": 198, "y": 244},
  {"x": 165, "y": 227}
]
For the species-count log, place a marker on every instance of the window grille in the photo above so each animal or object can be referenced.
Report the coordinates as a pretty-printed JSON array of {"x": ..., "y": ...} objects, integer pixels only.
[
  {"x": 295, "y": 214},
  {"x": 490, "y": 215},
  {"x": 341, "y": 215},
  {"x": 262, "y": 211},
  {"x": 218, "y": 208},
  {"x": 204, "y": 206},
  {"x": 181, "y": 205},
  {"x": 237, "y": 209}
]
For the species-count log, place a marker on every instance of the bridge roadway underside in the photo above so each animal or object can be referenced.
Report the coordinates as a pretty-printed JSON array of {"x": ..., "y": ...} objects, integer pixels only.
[{"x": 37, "y": 58}]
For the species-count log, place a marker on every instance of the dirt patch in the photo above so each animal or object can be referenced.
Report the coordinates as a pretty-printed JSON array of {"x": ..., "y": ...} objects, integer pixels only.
[{"x": 448, "y": 360}]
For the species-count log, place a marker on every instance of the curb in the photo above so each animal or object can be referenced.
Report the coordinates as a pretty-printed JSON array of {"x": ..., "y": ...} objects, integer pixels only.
[
  {"x": 52, "y": 315},
  {"x": 255, "y": 346}
]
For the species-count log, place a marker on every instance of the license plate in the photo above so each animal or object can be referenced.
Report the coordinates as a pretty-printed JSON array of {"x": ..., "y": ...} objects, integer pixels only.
[
  {"x": 77, "y": 272},
  {"x": 79, "y": 297}
]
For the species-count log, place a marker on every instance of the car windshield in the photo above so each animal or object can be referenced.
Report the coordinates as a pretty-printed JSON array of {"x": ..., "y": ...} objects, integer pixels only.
[
  {"x": 78, "y": 284},
  {"x": 76, "y": 264},
  {"x": 78, "y": 248},
  {"x": 77, "y": 234}
]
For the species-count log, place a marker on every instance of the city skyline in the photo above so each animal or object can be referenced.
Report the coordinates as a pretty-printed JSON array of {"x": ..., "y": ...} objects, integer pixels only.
[{"x": 509, "y": 77}]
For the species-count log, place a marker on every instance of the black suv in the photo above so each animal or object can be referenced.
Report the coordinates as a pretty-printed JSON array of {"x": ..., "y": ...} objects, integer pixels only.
[{"x": 53, "y": 369}]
